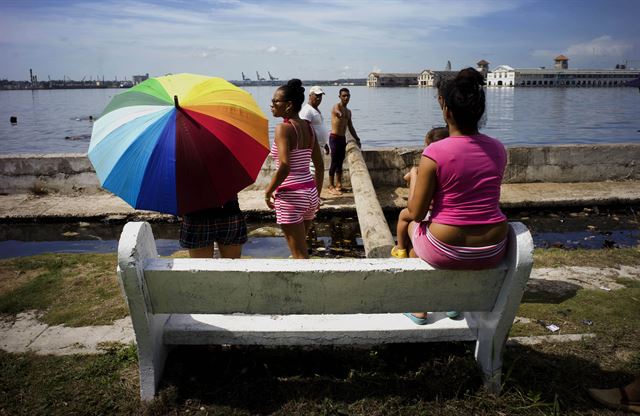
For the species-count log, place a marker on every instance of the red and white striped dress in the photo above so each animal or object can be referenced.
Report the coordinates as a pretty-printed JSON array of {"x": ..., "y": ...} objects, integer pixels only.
[{"x": 296, "y": 199}]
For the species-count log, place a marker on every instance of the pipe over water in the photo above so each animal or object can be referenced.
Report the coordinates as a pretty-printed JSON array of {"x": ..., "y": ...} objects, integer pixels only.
[{"x": 376, "y": 235}]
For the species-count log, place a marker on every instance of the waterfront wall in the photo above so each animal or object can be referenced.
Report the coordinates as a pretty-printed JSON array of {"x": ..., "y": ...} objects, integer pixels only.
[
  {"x": 71, "y": 173},
  {"x": 562, "y": 164}
]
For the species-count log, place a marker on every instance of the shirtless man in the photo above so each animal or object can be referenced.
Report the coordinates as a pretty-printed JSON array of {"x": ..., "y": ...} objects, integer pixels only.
[{"x": 340, "y": 121}]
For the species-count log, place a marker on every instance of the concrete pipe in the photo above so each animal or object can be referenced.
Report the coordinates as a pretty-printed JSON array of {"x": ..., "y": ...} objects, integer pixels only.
[{"x": 376, "y": 235}]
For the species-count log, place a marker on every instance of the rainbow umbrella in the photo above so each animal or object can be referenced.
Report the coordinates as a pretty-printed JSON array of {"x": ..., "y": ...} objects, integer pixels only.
[{"x": 179, "y": 143}]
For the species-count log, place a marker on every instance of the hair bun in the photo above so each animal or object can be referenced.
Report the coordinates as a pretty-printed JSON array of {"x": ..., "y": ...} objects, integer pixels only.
[
  {"x": 470, "y": 77},
  {"x": 294, "y": 92},
  {"x": 295, "y": 83}
]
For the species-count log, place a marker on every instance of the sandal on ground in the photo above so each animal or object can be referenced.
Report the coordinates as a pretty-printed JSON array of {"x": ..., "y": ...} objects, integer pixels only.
[
  {"x": 399, "y": 253},
  {"x": 334, "y": 191},
  {"x": 615, "y": 399},
  {"x": 453, "y": 314},
  {"x": 415, "y": 319}
]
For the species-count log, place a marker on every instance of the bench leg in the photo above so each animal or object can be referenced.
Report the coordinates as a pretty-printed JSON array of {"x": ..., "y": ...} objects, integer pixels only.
[
  {"x": 136, "y": 246},
  {"x": 152, "y": 354},
  {"x": 489, "y": 356}
]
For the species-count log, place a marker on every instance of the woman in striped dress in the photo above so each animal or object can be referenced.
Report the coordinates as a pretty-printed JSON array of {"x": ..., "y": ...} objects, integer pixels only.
[{"x": 293, "y": 192}]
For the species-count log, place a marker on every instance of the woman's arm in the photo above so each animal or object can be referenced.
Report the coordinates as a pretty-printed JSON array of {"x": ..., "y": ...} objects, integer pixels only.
[
  {"x": 421, "y": 188},
  {"x": 318, "y": 164},
  {"x": 282, "y": 142}
]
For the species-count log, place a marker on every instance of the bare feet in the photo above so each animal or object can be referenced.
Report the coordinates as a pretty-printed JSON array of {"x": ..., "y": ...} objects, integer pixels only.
[{"x": 334, "y": 191}]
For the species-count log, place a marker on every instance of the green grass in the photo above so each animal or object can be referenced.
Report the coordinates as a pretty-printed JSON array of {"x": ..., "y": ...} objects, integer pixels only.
[
  {"x": 81, "y": 385},
  {"x": 611, "y": 313},
  {"x": 74, "y": 289},
  {"x": 556, "y": 257},
  {"x": 391, "y": 380}
]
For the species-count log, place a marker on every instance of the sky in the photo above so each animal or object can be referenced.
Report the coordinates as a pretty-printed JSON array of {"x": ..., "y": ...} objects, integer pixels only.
[{"x": 308, "y": 39}]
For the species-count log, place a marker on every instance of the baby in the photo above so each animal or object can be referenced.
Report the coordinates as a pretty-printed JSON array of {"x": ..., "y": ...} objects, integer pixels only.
[{"x": 402, "y": 229}]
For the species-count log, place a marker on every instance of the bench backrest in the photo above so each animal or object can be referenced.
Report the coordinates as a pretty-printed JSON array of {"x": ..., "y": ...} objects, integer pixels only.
[{"x": 316, "y": 286}]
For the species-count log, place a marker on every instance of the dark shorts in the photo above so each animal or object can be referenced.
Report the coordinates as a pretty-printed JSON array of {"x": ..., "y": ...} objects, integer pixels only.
[
  {"x": 199, "y": 231},
  {"x": 337, "y": 144}
]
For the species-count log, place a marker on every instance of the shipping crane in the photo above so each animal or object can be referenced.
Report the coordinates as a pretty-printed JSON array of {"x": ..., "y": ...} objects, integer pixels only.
[
  {"x": 245, "y": 78},
  {"x": 271, "y": 77},
  {"x": 259, "y": 77}
]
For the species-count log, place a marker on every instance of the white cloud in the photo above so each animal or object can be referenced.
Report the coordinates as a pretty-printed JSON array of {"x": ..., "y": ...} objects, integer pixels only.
[
  {"x": 601, "y": 46},
  {"x": 353, "y": 18},
  {"x": 272, "y": 49}
]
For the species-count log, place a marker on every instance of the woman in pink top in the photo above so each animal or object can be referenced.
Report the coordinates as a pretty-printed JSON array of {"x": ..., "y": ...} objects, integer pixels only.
[
  {"x": 293, "y": 192},
  {"x": 461, "y": 175}
]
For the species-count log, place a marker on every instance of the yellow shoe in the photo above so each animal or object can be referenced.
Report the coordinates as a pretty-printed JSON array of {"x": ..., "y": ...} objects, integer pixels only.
[{"x": 399, "y": 253}]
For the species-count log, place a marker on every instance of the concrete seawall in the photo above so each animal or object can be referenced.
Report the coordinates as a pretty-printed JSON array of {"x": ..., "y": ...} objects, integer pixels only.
[
  {"x": 561, "y": 164},
  {"x": 72, "y": 173}
]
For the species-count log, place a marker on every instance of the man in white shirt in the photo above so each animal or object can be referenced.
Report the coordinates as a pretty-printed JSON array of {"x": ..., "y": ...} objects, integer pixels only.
[{"x": 311, "y": 113}]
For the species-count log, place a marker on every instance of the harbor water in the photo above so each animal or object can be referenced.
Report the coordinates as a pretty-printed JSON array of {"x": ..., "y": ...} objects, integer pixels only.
[{"x": 59, "y": 121}]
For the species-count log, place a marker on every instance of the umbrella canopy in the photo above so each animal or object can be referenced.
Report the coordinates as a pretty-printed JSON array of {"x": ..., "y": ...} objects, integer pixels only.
[{"x": 179, "y": 143}]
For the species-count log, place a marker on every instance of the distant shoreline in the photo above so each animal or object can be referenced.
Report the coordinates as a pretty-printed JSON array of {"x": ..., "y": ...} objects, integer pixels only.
[{"x": 25, "y": 85}]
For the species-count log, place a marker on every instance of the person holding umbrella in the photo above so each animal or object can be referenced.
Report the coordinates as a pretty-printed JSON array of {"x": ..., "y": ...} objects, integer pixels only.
[
  {"x": 185, "y": 145},
  {"x": 224, "y": 225},
  {"x": 293, "y": 192}
]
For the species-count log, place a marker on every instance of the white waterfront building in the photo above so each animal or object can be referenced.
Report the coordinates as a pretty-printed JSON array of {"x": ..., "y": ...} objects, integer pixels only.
[{"x": 560, "y": 76}]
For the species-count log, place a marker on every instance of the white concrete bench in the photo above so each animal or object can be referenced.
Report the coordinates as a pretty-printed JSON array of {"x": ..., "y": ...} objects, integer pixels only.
[{"x": 314, "y": 302}]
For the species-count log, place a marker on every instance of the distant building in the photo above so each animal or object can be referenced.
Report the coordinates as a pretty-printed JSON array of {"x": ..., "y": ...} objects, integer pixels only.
[
  {"x": 483, "y": 67},
  {"x": 561, "y": 62},
  {"x": 137, "y": 79},
  {"x": 382, "y": 79},
  {"x": 560, "y": 76},
  {"x": 431, "y": 78}
]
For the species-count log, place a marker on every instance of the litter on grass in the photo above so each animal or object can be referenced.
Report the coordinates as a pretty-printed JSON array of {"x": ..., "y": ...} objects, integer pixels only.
[{"x": 553, "y": 327}]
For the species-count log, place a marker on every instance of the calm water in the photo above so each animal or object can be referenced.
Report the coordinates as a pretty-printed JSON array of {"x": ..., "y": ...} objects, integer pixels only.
[{"x": 383, "y": 117}]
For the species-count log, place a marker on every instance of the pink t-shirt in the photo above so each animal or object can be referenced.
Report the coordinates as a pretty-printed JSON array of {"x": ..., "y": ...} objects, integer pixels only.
[{"x": 469, "y": 174}]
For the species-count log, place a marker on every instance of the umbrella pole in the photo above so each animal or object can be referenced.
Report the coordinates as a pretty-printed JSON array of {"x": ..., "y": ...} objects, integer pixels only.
[{"x": 177, "y": 104}]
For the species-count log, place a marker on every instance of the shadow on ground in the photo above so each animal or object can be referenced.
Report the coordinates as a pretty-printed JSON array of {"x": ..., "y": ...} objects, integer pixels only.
[
  {"x": 405, "y": 377},
  {"x": 549, "y": 291}
]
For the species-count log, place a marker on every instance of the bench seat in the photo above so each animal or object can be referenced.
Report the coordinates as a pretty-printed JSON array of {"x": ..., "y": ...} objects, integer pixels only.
[{"x": 346, "y": 329}]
